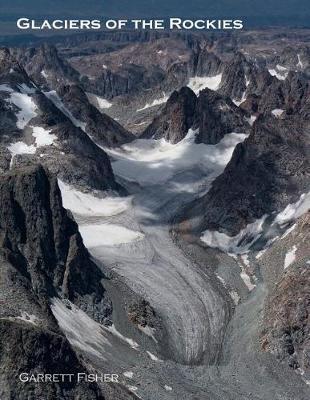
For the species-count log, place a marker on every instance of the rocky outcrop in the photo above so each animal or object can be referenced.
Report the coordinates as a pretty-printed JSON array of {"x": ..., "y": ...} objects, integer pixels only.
[
  {"x": 215, "y": 116},
  {"x": 27, "y": 349},
  {"x": 11, "y": 72},
  {"x": 41, "y": 241},
  {"x": 102, "y": 128},
  {"x": 176, "y": 118},
  {"x": 286, "y": 323},
  {"x": 127, "y": 79},
  {"x": 211, "y": 115},
  {"x": 237, "y": 75},
  {"x": 44, "y": 65},
  {"x": 206, "y": 63}
]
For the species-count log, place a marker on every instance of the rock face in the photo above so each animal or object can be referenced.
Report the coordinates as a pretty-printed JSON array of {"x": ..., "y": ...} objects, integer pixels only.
[
  {"x": 237, "y": 74},
  {"x": 41, "y": 256},
  {"x": 31, "y": 350},
  {"x": 10, "y": 69},
  {"x": 205, "y": 62},
  {"x": 45, "y": 66},
  {"x": 99, "y": 126},
  {"x": 42, "y": 241},
  {"x": 286, "y": 331},
  {"x": 267, "y": 171},
  {"x": 211, "y": 115},
  {"x": 215, "y": 116},
  {"x": 127, "y": 79},
  {"x": 176, "y": 119}
]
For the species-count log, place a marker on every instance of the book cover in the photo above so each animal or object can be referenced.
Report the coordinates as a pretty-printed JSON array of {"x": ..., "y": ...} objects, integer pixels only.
[{"x": 154, "y": 200}]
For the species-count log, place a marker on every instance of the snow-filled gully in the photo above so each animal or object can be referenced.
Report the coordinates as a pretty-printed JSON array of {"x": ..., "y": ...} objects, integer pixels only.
[{"x": 135, "y": 239}]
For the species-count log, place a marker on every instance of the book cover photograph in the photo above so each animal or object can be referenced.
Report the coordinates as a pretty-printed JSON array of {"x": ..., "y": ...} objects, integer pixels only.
[{"x": 154, "y": 200}]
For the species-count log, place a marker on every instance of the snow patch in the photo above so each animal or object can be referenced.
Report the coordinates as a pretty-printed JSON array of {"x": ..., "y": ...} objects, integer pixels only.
[
  {"x": 290, "y": 257},
  {"x": 27, "y": 108},
  {"x": 279, "y": 72},
  {"x": 21, "y": 148},
  {"x": 152, "y": 356},
  {"x": 98, "y": 102},
  {"x": 237, "y": 244},
  {"x": 243, "y": 98},
  {"x": 128, "y": 374},
  {"x": 107, "y": 235},
  {"x": 81, "y": 331},
  {"x": 252, "y": 119},
  {"x": 43, "y": 136},
  {"x": 29, "y": 318},
  {"x": 235, "y": 296},
  {"x": 277, "y": 112},
  {"x": 44, "y": 74},
  {"x": 244, "y": 275},
  {"x": 148, "y": 331},
  {"x": 299, "y": 64},
  {"x": 6, "y": 88},
  {"x": 198, "y": 83},
  {"x": 87, "y": 204},
  {"x": 134, "y": 345},
  {"x": 156, "y": 102},
  {"x": 288, "y": 231},
  {"x": 294, "y": 210},
  {"x": 132, "y": 388}
]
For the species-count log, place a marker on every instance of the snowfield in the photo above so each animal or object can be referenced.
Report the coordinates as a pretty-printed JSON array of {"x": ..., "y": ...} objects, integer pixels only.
[
  {"x": 198, "y": 83},
  {"x": 107, "y": 235},
  {"x": 89, "y": 205},
  {"x": 151, "y": 162}
]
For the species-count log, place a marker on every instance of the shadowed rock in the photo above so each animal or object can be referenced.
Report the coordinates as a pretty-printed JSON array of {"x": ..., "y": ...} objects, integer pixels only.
[
  {"x": 100, "y": 126},
  {"x": 42, "y": 256},
  {"x": 176, "y": 118}
]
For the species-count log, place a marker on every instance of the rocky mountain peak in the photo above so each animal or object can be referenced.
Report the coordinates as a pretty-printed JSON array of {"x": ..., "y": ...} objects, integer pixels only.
[
  {"x": 176, "y": 118},
  {"x": 237, "y": 75},
  {"x": 215, "y": 116},
  {"x": 206, "y": 62},
  {"x": 102, "y": 128}
]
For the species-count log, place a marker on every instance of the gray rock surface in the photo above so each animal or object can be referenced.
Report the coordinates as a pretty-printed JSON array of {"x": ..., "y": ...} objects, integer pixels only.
[
  {"x": 102, "y": 128},
  {"x": 286, "y": 328},
  {"x": 176, "y": 119}
]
